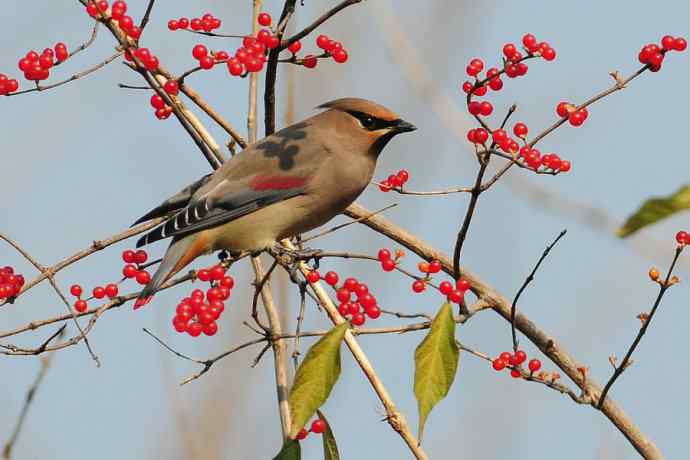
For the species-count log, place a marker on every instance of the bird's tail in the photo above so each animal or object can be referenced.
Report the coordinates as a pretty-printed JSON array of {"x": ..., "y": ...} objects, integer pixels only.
[{"x": 180, "y": 253}]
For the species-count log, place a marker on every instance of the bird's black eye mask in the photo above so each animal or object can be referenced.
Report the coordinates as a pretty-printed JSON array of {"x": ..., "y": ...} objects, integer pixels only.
[{"x": 371, "y": 123}]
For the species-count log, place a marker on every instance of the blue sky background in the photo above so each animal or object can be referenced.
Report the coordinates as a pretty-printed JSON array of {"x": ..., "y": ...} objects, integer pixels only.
[{"x": 83, "y": 161}]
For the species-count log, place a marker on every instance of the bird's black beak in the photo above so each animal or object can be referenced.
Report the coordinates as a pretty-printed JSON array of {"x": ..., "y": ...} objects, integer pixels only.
[{"x": 401, "y": 126}]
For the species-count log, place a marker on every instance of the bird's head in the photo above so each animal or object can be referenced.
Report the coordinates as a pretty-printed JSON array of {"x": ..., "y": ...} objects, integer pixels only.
[{"x": 370, "y": 123}]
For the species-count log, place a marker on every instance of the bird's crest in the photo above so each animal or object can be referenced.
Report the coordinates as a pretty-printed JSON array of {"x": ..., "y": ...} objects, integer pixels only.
[{"x": 357, "y": 105}]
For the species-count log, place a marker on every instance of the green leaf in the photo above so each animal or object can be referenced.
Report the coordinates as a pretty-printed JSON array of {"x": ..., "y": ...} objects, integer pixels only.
[
  {"x": 290, "y": 451},
  {"x": 315, "y": 378},
  {"x": 330, "y": 447},
  {"x": 436, "y": 363},
  {"x": 656, "y": 209}
]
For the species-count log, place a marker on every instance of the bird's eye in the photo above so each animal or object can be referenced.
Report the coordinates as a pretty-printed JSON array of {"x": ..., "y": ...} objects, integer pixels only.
[{"x": 367, "y": 122}]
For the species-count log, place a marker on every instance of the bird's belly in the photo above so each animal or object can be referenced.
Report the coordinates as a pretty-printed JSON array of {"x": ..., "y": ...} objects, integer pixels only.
[{"x": 263, "y": 227}]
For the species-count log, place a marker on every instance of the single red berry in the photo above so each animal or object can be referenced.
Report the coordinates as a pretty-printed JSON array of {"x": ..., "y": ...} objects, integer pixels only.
[
  {"x": 373, "y": 312},
  {"x": 340, "y": 56},
  {"x": 173, "y": 25},
  {"x": 384, "y": 254},
  {"x": 418, "y": 286},
  {"x": 126, "y": 23},
  {"x": 344, "y": 309},
  {"x": 61, "y": 53},
  {"x": 182, "y": 23},
  {"x": 235, "y": 67},
  {"x": 207, "y": 63},
  {"x": 210, "y": 328},
  {"x": 565, "y": 166},
  {"x": 562, "y": 109},
  {"x": 467, "y": 87},
  {"x": 129, "y": 271},
  {"x": 203, "y": 275},
  {"x": 194, "y": 329},
  {"x": 157, "y": 102},
  {"x": 322, "y": 41},
  {"x": 196, "y": 24},
  {"x": 667, "y": 42},
  {"x": 530, "y": 42},
  {"x": 434, "y": 266},
  {"x": 509, "y": 50},
  {"x": 98, "y": 292},
  {"x": 499, "y": 136},
  {"x": 221, "y": 56},
  {"x": 474, "y": 108},
  {"x": 313, "y": 276},
  {"x": 520, "y": 357},
  {"x": 351, "y": 284},
  {"x": 549, "y": 54},
  {"x": 92, "y": 9},
  {"x": 480, "y": 135},
  {"x": 352, "y": 308},
  {"x": 534, "y": 365},
  {"x": 264, "y": 19},
  {"x": 309, "y": 61},
  {"x": 498, "y": 364},
  {"x": 143, "y": 277},
  {"x": 358, "y": 319},
  {"x": 199, "y": 51},
  {"x": 456, "y": 296},
  {"x": 295, "y": 47},
  {"x": 681, "y": 237},
  {"x": 388, "y": 265},
  {"x": 520, "y": 130},
  {"x": 577, "y": 118},
  {"x": 446, "y": 287},
  {"x": 111, "y": 290},
  {"x": 343, "y": 295},
  {"x": 318, "y": 426},
  {"x": 514, "y": 373},
  {"x": 140, "y": 256},
  {"x": 361, "y": 290},
  {"x": 302, "y": 434},
  {"x": 80, "y": 306},
  {"x": 227, "y": 282},
  {"x": 75, "y": 290},
  {"x": 102, "y": 6},
  {"x": 331, "y": 278},
  {"x": 217, "y": 272},
  {"x": 172, "y": 87},
  {"x": 462, "y": 284},
  {"x": 505, "y": 356},
  {"x": 485, "y": 108},
  {"x": 496, "y": 84}
]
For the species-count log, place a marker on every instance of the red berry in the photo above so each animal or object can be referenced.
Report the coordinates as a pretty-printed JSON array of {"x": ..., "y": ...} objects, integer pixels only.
[
  {"x": 173, "y": 25},
  {"x": 343, "y": 295},
  {"x": 548, "y": 54},
  {"x": 194, "y": 329},
  {"x": 384, "y": 254},
  {"x": 496, "y": 84},
  {"x": 520, "y": 357},
  {"x": 509, "y": 50},
  {"x": 92, "y": 9},
  {"x": 318, "y": 426},
  {"x": 172, "y": 87},
  {"x": 264, "y": 19},
  {"x": 446, "y": 287},
  {"x": 423, "y": 267},
  {"x": 480, "y": 135},
  {"x": 498, "y": 364},
  {"x": 340, "y": 56},
  {"x": 562, "y": 109},
  {"x": 534, "y": 365},
  {"x": 565, "y": 166},
  {"x": 680, "y": 44},
  {"x": 467, "y": 87},
  {"x": 309, "y": 61},
  {"x": 499, "y": 136},
  {"x": 203, "y": 275},
  {"x": 456, "y": 296},
  {"x": 295, "y": 47},
  {"x": 182, "y": 23},
  {"x": 75, "y": 290},
  {"x": 682, "y": 237},
  {"x": 322, "y": 41},
  {"x": 210, "y": 328},
  {"x": 102, "y": 6},
  {"x": 418, "y": 286},
  {"x": 358, "y": 319},
  {"x": 485, "y": 108},
  {"x": 514, "y": 373},
  {"x": 129, "y": 271},
  {"x": 667, "y": 42},
  {"x": 207, "y": 62},
  {"x": 331, "y": 278},
  {"x": 196, "y": 24},
  {"x": 80, "y": 306},
  {"x": 388, "y": 265},
  {"x": 199, "y": 51},
  {"x": 350, "y": 284},
  {"x": 352, "y": 308},
  {"x": 530, "y": 42},
  {"x": 98, "y": 292},
  {"x": 373, "y": 312},
  {"x": 143, "y": 277},
  {"x": 462, "y": 284},
  {"x": 140, "y": 256},
  {"x": 227, "y": 282},
  {"x": 313, "y": 276},
  {"x": 235, "y": 67},
  {"x": 180, "y": 323},
  {"x": 577, "y": 118},
  {"x": 434, "y": 266},
  {"x": 217, "y": 272},
  {"x": 111, "y": 290},
  {"x": 520, "y": 130},
  {"x": 126, "y": 23},
  {"x": 344, "y": 309},
  {"x": 157, "y": 102}
]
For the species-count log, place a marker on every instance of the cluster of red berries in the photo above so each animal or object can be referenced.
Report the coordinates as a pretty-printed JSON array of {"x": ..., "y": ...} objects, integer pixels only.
[
  {"x": 576, "y": 117},
  {"x": 132, "y": 270},
  {"x": 318, "y": 426},
  {"x": 199, "y": 312},
  {"x": 163, "y": 110},
  {"x": 206, "y": 23},
  {"x": 530, "y": 156},
  {"x": 7, "y": 85},
  {"x": 332, "y": 48},
  {"x": 683, "y": 237},
  {"x": 513, "y": 65},
  {"x": 653, "y": 55},
  {"x": 10, "y": 282},
  {"x": 98, "y": 10},
  {"x": 251, "y": 56},
  {"x": 395, "y": 181},
  {"x": 365, "y": 304},
  {"x": 144, "y": 55},
  {"x": 37, "y": 67},
  {"x": 388, "y": 262},
  {"x": 514, "y": 361}
]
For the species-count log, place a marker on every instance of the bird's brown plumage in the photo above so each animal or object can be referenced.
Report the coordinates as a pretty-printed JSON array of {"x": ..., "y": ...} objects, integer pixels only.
[{"x": 285, "y": 184}]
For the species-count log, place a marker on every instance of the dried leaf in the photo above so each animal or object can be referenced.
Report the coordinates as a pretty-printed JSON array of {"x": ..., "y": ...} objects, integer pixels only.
[{"x": 330, "y": 447}]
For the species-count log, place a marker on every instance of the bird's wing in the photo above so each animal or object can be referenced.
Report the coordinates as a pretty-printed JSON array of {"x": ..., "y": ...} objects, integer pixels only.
[{"x": 175, "y": 202}]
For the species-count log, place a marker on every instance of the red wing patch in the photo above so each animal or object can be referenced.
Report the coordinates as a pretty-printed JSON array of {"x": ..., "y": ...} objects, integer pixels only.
[{"x": 260, "y": 183}]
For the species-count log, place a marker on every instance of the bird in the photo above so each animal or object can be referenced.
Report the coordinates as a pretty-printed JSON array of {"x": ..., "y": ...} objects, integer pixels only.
[{"x": 288, "y": 183}]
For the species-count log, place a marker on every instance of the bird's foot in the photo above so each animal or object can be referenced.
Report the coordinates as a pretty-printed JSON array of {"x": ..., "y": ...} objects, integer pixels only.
[{"x": 292, "y": 256}]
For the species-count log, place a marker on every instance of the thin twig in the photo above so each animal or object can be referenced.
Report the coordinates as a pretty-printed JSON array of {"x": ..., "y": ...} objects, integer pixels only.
[
  {"x": 663, "y": 287},
  {"x": 30, "y": 394},
  {"x": 320, "y": 20},
  {"x": 528, "y": 280},
  {"x": 338, "y": 227},
  {"x": 147, "y": 14}
]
